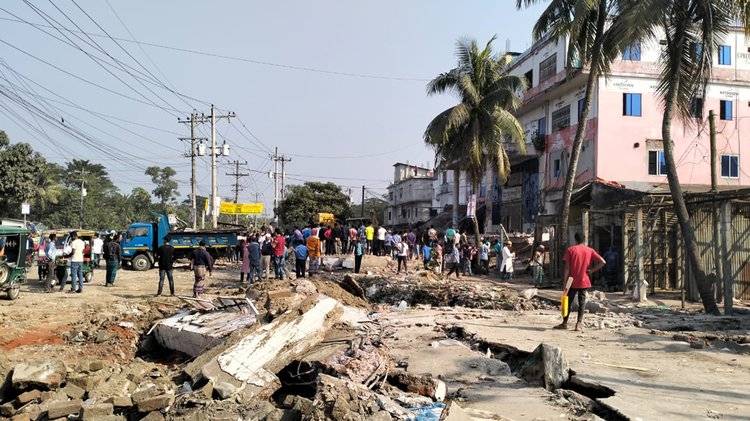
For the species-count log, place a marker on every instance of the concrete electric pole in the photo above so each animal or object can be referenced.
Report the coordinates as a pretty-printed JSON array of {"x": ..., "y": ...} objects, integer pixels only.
[
  {"x": 214, "y": 152},
  {"x": 237, "y": 174},
  {"x": 192, "y": 154},
  {"x": 276, "y": 159}
]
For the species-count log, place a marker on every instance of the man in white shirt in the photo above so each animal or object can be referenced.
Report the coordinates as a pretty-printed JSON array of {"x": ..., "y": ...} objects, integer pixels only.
[
  {"x": 97, "y": 247},
  {"x": 381, "y": 241},
  {"x": 76, "y": 262}
]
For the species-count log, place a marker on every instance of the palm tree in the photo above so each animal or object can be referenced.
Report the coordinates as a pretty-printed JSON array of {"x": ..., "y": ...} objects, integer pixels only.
[
  {"x": 692, "y": 29},
  {"x": 584, "y": 24},
  {"x": 470, "y": 135}
]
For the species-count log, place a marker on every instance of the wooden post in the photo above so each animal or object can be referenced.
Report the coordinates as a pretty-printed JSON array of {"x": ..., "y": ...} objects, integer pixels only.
[
  {"x": 640, "y": 275},
  {"x": 664, "y": 251},
  {"x": 585, "y": 226},
  {"x": 625, "y": 253},
  {"x": 726, "y": 247}
]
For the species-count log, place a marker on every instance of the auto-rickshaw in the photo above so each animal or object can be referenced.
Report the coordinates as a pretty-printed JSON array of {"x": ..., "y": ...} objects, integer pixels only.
[
  {"x": 63, "y": 246},
  {"x": 13, "y": 259}
]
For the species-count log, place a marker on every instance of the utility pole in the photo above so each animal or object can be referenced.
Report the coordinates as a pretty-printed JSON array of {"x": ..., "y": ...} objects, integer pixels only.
[
  {"x": 255, "y": 217},
  {"x": 214, "y": 152},
  {"x": 718, "y": 269},
  {"x": 362, "y": 211},
  {"x": 276, "y": 159},
  {"x": 83, "y": 193},
  {"x": 193, "y": 153},
  {"x": 237, "y": 174}
]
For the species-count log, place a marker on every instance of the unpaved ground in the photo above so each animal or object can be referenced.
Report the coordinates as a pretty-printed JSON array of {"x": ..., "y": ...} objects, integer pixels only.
[{"x": 632, "y": 352}]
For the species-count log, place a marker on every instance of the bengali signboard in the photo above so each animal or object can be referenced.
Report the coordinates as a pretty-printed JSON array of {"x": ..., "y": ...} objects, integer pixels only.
[{"x": 229, "y": 208}]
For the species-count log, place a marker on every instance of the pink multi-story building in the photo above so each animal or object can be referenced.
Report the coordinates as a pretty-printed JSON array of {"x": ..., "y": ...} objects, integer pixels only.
[{"x": 623, "y": 137}]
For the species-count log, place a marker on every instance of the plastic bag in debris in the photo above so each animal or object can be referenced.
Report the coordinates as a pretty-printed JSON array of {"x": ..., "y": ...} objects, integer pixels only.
[{"x": 428, "y": 413}]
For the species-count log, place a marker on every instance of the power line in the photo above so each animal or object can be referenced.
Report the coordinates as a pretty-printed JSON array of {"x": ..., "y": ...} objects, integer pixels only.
[{"x": 248, "y": 60}]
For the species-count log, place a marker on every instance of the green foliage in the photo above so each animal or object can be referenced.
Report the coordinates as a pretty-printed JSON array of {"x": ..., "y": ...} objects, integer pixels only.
[
  {"x": 166, "y": 187},
  {"x": 377, "y": 204},
  {"x": 94, "y": 176},
  {"x": 472, "y": 133},
  {"x": 303, "y": 203},
  {"x": 19, "y": 166}
]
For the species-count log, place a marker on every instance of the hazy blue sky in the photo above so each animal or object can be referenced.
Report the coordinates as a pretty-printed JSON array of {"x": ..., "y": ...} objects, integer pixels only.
[{"x": 345, "y": 129}]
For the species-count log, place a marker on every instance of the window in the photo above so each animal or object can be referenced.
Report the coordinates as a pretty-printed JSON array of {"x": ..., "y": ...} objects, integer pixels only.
[
  {"x": 581, "y": 104},
  {"x": 696, "y": 107},
  {"x": 726, "y": 110},
  {"x": 556, "y": 169},
  {"x": 445, "y": 177},
  {"x": 730, "y": 166},
  {"x": 136, "y": 232},
  {"x": 561, "y": 118},
  {"x": 656, "y": 163},
  {"x": 389, "y": 215},
  {"x": 541, "y": 126},
  {"x": 632, "y": 52},
  {"x": 548, "y": 68},
  {"x": 390, "y": 195},
  {"x": 631, "y": 105},
  {"x": 725, "y": 55},
  {"x": 400, "y": 193},
  {"x": 698, "y": 50},
  {"x": 529, "y": 78}
]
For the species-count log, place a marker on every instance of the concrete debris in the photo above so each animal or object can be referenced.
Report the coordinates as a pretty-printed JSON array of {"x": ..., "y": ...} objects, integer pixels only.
[
  {"x": 342, "y": 400},
  {"x": 193, "y": 332},
  {"x": 63, "y": 409},
  {"x": 422, "y": 385},
  {"x": 48, "y": 375},
  {"x": 546, "y": 364},
  {"x": 529, "y": 293}
]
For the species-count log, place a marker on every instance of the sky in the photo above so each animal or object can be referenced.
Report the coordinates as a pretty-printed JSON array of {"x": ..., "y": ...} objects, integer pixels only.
[{"x": 337, "y": 86}]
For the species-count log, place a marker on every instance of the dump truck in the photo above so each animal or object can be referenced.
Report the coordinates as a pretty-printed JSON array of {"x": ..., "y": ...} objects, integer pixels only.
[{"x": 142, "y": 239}]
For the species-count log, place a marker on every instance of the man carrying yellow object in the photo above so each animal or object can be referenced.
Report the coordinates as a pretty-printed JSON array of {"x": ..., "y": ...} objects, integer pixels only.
[{"x": 577, "y": 265}]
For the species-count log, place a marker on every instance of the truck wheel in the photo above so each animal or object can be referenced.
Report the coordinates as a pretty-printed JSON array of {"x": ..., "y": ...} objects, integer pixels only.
[
  {"x": 141, "y": 262},
  {"x": 14, "y": 290},
  {"x": 88, "y": 276}
]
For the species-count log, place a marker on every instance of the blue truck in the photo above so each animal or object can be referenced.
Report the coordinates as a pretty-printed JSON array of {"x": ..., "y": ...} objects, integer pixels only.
[{"x": 142, "y": 239}]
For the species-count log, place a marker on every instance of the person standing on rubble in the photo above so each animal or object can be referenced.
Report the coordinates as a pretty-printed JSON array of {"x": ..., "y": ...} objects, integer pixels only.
[
  {"x": 484, "y": 257},
  {"x": 245, "y": 259},
  {"x": 113, "y": 253},
  {"x": 537, "y": 264},
  {"x": 452, "y": 259},
  {"x": 360, "y": 248},
  {"x": 300, "y": 259},
  {"x": 577, "y": 264},
  {"x": 313, "y": 250},
  {"x": 279, "y": 246},
  {"x": 200, "y": 263},
  {"x": 507, "y": 258},
  {"x": 402, "y": 252},
  {"x": 165, "y": 257},
  {"x": 253, "y": 255},
  {"x": 266, "y": 251}
]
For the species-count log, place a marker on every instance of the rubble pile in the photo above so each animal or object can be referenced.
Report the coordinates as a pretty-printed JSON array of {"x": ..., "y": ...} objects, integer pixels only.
[{"x": 425, "y": 288}]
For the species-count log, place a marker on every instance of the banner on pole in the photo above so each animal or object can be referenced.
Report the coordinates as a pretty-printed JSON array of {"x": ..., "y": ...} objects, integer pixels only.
[
  {"x": 471, "y": 206},
  {"x": 228, "y": 208}
]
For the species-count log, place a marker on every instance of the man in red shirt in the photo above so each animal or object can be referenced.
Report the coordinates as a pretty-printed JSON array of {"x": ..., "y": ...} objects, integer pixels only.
[
  {"x": 577, "y": 264},
  {"x": 279, "y": 245}
]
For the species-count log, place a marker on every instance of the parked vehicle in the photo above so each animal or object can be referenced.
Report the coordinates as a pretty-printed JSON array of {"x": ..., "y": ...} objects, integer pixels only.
[
  {"x": 14, "y": 259},
  {"x": 63, "y": 249},
  {"x": 142, "y": 239}
]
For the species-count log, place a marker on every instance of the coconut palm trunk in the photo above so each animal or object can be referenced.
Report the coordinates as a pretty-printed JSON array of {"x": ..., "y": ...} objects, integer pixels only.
[
  {"x": 680, "y": 208},
  {"x": 456, "y": 195},
  {"x": 593, "y": 78}
]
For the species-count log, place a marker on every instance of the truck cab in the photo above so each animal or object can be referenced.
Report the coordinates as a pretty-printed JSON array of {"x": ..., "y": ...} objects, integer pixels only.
[{"x": 138, "y": 245}]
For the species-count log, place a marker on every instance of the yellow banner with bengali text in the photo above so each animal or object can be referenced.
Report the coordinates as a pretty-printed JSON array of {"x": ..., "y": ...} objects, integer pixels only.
[{"x": 229, "y": 208}]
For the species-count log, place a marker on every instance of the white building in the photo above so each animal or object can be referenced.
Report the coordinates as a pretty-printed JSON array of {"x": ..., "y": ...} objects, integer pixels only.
[{"x": 410, "y": 196}]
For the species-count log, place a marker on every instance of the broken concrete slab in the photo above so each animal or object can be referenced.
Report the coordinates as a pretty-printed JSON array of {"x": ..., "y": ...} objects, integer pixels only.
[
  {"x": 248, "y": 361},
  {"x": 546, "y": 364},
  {"x": 193, "y": 333},
  {"x": 31, "y": 395},
  {"x": 120, "y": 402},
  {"x": 73, "y": 391},
  {"x": 529, "y": 293},
  {"x": 49, "y": 374},
  {"x": 258, "y": 356}
]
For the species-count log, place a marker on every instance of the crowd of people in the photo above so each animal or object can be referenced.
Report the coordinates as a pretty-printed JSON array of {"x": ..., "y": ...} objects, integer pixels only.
[{"x": 271, "y": 253}]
